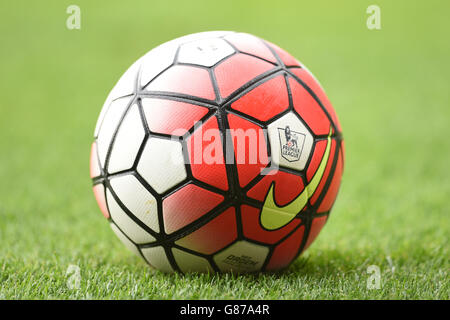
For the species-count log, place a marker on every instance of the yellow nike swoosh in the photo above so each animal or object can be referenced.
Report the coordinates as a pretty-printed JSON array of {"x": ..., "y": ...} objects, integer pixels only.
[{"x": 273, "y": 216}]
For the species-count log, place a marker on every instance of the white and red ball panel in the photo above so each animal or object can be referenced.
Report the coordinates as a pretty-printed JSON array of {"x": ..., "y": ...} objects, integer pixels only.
[
  {"x": 187, "y": 205},
  {"x": 214, "y": 235},
  {"x": 250, "y": 148},
  {"x": 178, "y": 80},
  {"x": 207, "y": 160},
  {"x": 272, "y": 94},
  {"x": 100, "y": 197},
  {"x": 234, "y": 72},
  {"x": 171, "y": 117}
]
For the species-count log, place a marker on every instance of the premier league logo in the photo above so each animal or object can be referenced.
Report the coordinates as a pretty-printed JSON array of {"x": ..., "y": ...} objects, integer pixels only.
[{"x": 291, "y": 143}]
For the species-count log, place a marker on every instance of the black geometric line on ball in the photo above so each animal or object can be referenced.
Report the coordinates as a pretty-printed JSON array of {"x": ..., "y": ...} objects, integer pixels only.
[
  {"x": 181, "y": 96},
  {"x": 131, "y": 215},
  {"x": 167, "y": 239},
  {"x": 163, "y": 95}
]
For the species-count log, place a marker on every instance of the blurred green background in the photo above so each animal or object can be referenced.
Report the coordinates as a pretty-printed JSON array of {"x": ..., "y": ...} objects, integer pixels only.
[{"x": 390, "y": 88}]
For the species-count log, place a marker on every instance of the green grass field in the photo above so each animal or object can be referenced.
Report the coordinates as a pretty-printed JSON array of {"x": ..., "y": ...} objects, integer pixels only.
[{"x": 390, "y": 88}]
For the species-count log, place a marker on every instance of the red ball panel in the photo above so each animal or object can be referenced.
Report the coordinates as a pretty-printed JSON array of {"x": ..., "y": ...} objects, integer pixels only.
[
  {"x": 308, "y": 109},
  {"x": 312, "y": 83},
  {"x": 285, "y": 57},
  {"x": 326, "y": 173},
  {"x": 333, "y": 189},
  {"x": 265, "y": 101},
  {"x": 250, "y": 151},
  {"x": 286, "y": 251},
  {"x": 316, "y": 226},
  {"x": 202, "y": 169},
  {"x": 171, "y": 117},
  {"x": 214, "y": 235},
  {"x": 237, "y": 70},
  {"x": 317, "y": 156},
  {"x": 187, "y": 205},
  {"x": 99, "y": 193}
]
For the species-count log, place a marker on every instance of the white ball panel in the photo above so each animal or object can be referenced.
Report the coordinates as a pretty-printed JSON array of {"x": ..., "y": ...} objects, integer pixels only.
[
  {"x": 156, "y": 256},
  {"x": 190, "y": 263},
  {"x": 128, "y": 140},
  {"x": 124, "y": 87},
  {"x": 125, "y": 223},
  {"x": 205, "y": 52},
  {"x": 161, "y": 57},
  {"x": 127, "y": 83},
  {"x": 200, "y": 36},
  {"x": 137, "y": 199},
  {"x": 109, "y": 125},
  {"x": 101, "y": 117},
  {"x": 155, "y": 61},
  {"x": 242, "y": 256},
  {"x": 294, "y": 153},
  {"x": 162, "y": 164},
  {"x": 130, "y": 245}
]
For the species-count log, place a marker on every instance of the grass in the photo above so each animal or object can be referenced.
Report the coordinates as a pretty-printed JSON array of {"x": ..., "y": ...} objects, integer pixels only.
[{"x": 389, "y": 87}]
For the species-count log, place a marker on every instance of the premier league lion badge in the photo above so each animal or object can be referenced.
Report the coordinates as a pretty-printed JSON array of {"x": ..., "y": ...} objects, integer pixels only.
[{"x": 291, "y": 143}]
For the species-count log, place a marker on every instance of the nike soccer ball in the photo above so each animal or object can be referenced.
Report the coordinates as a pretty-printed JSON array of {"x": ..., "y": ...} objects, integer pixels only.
[{"x": 217, "y": 151}]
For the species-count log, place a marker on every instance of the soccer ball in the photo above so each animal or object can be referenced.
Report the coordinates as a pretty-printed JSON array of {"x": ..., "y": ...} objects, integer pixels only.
[{"x": 217, "y": 151}]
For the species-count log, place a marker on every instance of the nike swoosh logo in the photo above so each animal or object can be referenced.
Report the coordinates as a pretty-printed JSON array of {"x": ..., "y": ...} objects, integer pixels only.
[{"x": 273, "y": 216}]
